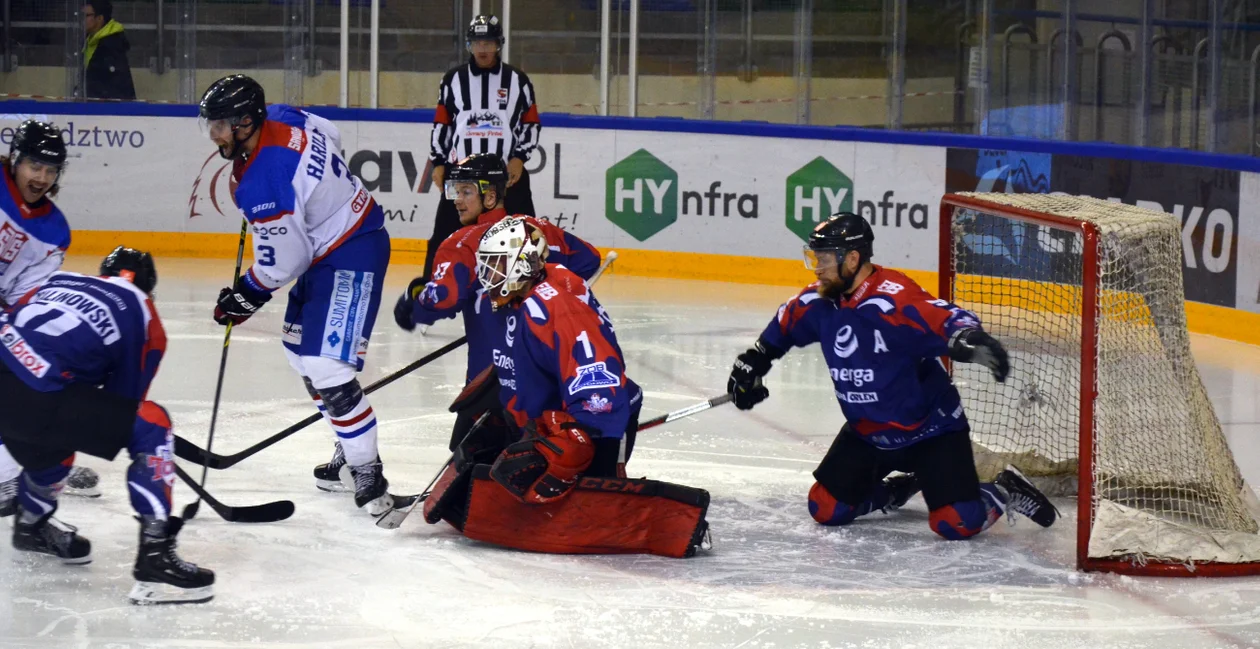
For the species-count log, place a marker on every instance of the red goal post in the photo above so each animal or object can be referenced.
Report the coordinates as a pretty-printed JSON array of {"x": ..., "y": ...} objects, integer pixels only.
[{"x": 1087, "y": 296}]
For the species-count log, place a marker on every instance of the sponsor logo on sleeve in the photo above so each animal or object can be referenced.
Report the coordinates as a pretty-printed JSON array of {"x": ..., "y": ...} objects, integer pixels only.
[
  {"x": 597, "y": 405},
  {"x": 26, "y": 357},
  {"x": 593, "y": 376}
]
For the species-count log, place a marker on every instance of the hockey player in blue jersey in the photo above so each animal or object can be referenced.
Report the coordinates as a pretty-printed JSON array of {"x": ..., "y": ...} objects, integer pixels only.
[
  {"x": 77, "y": 356},
  {"x": 882, "y": 337},
  {"x": 313, "y": 222},
  {"x": 34, "y": 236}
]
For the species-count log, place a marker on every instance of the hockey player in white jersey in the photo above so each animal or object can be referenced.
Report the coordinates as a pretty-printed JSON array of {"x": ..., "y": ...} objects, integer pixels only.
[
  {"x": 313, "y": 222},
  {"x": 34, "y": 237}
]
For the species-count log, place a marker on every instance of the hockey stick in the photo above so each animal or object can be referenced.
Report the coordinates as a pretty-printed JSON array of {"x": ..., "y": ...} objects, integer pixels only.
[
  {"x": 186, "y": 450},
  {"x": 191, "y": 510},
  {"x": 395, "y": 517},
  {"x": 264, "y": 513}
]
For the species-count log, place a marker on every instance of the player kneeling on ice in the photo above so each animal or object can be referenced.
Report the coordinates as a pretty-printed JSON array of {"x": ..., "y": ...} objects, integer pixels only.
[
  {"x": 79, "y": 355},
  {"x": 562, "y": 487},
  {"x": 313, "y": 222},
  {"x": 882, "y": 335}
]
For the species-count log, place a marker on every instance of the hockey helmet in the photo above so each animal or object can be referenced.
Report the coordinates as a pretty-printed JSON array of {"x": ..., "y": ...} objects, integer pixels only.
[
  {"x": 132, "y": 265},
  {"x": 842, "y": 233},
  {"x": 39, "y": 141},
  {"x": 510, "y": 255},
  {"x": 485, "y": 169},
  {"x": 484, "y": 28},
  {"x": 227, "y": 102}
]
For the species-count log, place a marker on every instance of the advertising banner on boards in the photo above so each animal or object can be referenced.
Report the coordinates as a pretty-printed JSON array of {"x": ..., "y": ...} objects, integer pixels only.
[{"x": 1205, "y": 202}]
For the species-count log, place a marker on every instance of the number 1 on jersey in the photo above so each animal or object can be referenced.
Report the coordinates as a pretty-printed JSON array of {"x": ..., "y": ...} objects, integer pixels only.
[{"x": 586, "y": 344}]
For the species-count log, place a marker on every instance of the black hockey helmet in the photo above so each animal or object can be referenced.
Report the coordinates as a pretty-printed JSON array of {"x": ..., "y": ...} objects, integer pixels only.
[
  {"x": 485, "y": 169},
  {"x": 39, "y": 141},
  {"x": 484, "y": 28},
  {"x": 133, "y": 265},
  {"x": 841, "y": 234},
  {"x": 232, "y": 99}
]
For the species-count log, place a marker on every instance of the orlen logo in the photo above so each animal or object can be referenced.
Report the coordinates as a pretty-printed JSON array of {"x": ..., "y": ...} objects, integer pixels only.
[
  {"x": 846, "y": 342},
  {"x": 26, "y": 357}
]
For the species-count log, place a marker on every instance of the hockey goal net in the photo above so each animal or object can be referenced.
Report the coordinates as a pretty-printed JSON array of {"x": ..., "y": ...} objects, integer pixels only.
[{"x": 1104, "y": 398}]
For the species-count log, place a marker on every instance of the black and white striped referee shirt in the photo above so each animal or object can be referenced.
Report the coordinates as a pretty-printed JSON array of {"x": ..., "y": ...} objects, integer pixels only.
[{"x": 484, "y": 111}]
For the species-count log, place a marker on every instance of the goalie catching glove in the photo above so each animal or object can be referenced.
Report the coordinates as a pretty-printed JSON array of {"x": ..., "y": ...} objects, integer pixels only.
[
  {"x": 976, "y": 346},
  {"x": 544, "y": 467},
  {"x": 236, "y": 305}
]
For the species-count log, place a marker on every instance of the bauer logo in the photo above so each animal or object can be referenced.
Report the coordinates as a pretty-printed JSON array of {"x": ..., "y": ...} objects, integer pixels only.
[{"x": 641, "y": 195}]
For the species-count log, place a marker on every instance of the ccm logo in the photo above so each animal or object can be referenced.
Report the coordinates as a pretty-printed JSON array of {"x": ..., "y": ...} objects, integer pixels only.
[
  {"x": 603, "y": 484},
  {"x": 360, "y": 200}
]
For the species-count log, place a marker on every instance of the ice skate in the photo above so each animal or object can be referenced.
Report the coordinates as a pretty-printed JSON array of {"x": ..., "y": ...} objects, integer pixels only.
[
  {"x": 328, "y": 475},
  {"x": 52, "y": 537},
  {"x": 162, "y": 577}
]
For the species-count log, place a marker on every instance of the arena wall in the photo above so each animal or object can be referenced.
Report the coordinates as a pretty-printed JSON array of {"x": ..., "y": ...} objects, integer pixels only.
[{"x": 727, "y": 201}]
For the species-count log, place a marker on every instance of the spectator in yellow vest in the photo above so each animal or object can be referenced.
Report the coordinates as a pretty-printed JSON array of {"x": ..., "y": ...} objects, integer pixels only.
[{"x": 105, "y": 53}]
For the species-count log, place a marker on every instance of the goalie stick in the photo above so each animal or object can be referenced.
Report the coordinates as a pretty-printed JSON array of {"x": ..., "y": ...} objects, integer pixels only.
[
  {"x": 405, "y": 504},
  {"x": 186, "y": 450},
  {"x": 264, "y": 513}
]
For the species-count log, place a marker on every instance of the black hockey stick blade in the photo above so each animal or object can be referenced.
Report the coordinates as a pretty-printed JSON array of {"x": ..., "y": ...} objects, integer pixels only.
[
  {"x": 264, "y": 513},
  {"x": 186, "y": 450}
]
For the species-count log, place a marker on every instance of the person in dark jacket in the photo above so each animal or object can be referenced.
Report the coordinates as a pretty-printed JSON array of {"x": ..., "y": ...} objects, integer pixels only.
[{"x": 105, "y": 53}]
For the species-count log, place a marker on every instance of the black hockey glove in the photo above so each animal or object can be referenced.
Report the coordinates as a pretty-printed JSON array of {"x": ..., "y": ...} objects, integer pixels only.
[
  {"x": 745, "y": 382},
  {"x": 236, "y": 305},
  {"x": 404, "y": 310},
  {"x": 976, "y": 346}
]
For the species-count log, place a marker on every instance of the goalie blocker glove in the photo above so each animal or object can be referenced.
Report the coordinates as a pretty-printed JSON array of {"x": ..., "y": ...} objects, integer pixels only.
[
  {"x": 745, "y": 382},
  {"x": 544, "y": 468},
  {"x": 236, "y": 305},
  {"x": 976, "y": 346}
]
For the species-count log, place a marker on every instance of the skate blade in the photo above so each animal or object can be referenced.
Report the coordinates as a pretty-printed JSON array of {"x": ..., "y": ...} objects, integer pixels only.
[
  {"x": 331, "y": 486},
  {"x": 150, "y": 593},
  {"x": 81, "y": 561},
  {"x": 88, "y": 492}
]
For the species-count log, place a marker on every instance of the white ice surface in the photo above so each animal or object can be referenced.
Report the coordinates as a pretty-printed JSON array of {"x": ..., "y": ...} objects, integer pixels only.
[{"x": 329, "y": 578}]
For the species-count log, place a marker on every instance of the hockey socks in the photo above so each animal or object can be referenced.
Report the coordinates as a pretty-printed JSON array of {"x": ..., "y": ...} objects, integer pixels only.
[
  {"x": 353, "y": 420},
  {"x": 152, "y": 471}
]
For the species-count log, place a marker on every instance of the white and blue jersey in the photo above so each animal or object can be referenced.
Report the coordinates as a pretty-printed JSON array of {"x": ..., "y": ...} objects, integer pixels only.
[
  {"x": 33, "y": 241},
  {"x": 102, "y": 331},
  {"x": 313, "y": 222},
  {"x": 882, "y": 345}
]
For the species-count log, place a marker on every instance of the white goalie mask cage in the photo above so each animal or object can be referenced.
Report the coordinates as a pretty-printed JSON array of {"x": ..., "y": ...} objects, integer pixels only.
[{"x": 511, "y": 253}]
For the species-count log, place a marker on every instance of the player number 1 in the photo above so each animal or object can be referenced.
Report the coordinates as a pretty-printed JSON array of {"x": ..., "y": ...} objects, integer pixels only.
[{"x": 586, "y": 344}]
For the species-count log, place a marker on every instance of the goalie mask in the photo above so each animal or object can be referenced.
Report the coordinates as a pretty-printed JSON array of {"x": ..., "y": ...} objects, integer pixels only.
[{"x": 510, "y": 257}]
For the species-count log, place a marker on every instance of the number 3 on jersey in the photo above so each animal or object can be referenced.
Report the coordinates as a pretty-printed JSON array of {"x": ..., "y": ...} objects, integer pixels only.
[{"x": 268, "y": 256}]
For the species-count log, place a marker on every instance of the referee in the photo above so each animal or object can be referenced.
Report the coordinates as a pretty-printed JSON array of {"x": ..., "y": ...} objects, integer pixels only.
[{"x": 484, "y": 106}]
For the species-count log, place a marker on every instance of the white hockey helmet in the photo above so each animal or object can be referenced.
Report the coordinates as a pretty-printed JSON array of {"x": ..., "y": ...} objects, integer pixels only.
[{"x": 510, "y": 255}]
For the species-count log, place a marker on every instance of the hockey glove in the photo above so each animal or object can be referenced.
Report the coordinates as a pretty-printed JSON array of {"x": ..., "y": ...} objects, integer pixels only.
[
  {"x": 404, "y": 310},
  {"x": 236, "y": 305},
  {"x": 745, "y": 382},
  {"x": 976, "y": 346},
  {"x": 545, "y": 468}
]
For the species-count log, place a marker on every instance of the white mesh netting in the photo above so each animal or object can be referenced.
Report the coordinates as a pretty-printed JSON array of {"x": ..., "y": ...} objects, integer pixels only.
[{"x": 1166, "y": 485}]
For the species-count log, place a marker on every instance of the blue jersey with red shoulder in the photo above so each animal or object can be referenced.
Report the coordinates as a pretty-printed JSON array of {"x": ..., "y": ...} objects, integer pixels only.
[
  {"x": 565, "y": 356},
  {"x": 101, "y": 331},
  {"x": 882, "y": 345},
  {"x": 454, "y": 288},
  {"x": 299, "y": 196}
]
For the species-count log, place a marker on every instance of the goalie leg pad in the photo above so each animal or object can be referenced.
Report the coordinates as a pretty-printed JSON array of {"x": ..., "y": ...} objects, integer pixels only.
[
  {"x": 449, "y": 497},
  {"x": 599, "y": 516}
]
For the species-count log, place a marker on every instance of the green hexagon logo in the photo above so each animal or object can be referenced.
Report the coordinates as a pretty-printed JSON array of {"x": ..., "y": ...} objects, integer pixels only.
[
  {"x": 641, "y": 195},
  {"x": 815, "y": 192}
]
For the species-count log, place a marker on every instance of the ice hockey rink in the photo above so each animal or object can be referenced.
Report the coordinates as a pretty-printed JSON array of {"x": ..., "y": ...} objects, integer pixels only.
[{"x": 328, "y": 577}]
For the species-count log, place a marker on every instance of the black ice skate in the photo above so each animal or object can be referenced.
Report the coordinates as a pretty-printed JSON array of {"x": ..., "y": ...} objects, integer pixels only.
[
  {"x": 161, "y": 576},
  {"x": 901, "y": 488},
  {"x": 53, "y": 537},
  {"x": 371, "y": 489},
  {"x": 328, "y": 476},
  {"x": 82, "y": 482},
  {"x": 1024, "y": 498},
  {"x": 8, "y": 497}
]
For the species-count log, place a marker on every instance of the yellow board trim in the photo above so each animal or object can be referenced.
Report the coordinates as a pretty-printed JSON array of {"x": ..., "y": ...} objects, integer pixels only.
[{"x": 1202, "y": 318}]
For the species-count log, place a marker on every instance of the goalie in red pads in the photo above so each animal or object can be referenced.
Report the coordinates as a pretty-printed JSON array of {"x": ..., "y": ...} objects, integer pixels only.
[{"x": 562, "y": 486}]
